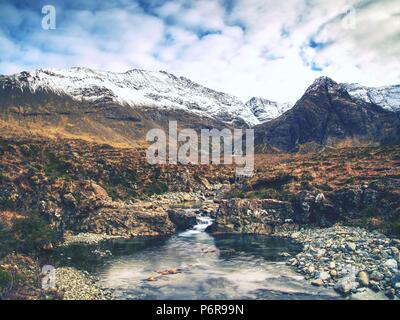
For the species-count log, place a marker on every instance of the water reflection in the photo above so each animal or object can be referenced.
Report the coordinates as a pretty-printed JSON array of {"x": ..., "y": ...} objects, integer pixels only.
[{"x": 196, "y": 265}]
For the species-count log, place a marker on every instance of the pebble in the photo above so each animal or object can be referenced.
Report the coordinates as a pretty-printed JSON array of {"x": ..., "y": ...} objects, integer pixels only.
[
  {"x": 86, "y": 238},
  {"x": 317, "y": 282},
  {"x": 391, "y": 264},
  {"x": 348, "y": 258},
  {"x": 285, "y": 254},
  {"x": 323, "y": 275},
  {"x": 374, "y": 285},
  {"x": 351, "y": 246},
  {"x": 79, "y": 285},
  {"x": 390, "y": 293},
  {"x": 376, "y": 276},
  {"x": 363, "y": 278}
]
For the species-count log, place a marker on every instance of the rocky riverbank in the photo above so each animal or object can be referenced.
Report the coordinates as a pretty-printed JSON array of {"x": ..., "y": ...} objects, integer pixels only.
[
  {"x": 78, "y": 285},
  {"x": 350, "y": 260},
  {"x": 87, "y": 239},
  {"x": 26, "y": 278}
]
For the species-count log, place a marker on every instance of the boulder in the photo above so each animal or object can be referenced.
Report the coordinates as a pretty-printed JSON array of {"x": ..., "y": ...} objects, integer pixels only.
[
  {"x": 311, "y": 208},
  {"x": 257, "y": 216},
  {"x": 182, "y": 219}
]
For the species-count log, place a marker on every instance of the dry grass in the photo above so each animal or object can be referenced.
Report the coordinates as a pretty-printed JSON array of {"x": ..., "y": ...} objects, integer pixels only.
[
  {"x": 332, "y": 169},
  {"x": 66, "y": 130},
  {"x": 8, "y": 217}
]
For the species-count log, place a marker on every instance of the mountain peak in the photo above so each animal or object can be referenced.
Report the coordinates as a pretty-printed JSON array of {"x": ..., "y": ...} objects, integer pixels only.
[
  {"x": 266, "y": 110},
  {"x": 324, "y": 81},
  {"x": 323, "y": 84},
  {"x": 327, "y": 115}
]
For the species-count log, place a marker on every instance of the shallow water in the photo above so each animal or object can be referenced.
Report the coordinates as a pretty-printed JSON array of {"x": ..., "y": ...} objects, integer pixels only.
[{"x": 207, "y": 267}]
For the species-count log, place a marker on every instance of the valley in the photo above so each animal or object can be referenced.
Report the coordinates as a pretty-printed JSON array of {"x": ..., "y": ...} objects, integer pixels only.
[
  {"x": 91, "y": 195},
  {"x": 319, "y": 218}
]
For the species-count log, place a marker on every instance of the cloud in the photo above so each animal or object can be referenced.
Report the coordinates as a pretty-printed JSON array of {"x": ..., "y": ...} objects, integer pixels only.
[
  {"x": 196, "y": 15},
  {"x": 266, "y": 48}
]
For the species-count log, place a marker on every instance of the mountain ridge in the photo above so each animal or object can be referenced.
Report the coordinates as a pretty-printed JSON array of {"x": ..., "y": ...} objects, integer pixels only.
[
  {"x": 388, "y": 97},
  {"x": 135, "y": 88},
  {"x": 327, "y": 115},
  {"x": 122, "y": 107}
]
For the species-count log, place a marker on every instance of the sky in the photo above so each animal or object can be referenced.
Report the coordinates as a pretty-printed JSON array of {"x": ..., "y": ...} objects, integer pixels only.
[{"x": 263, "y": 48}]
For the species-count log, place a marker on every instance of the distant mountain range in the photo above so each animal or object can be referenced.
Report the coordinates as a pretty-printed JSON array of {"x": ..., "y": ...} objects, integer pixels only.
[
  {"x": 387, "y": 97},
  {"x": 123, "y": 106}
]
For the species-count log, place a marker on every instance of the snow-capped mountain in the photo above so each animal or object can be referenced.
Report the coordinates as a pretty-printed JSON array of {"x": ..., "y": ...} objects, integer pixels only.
[
  {"x": 326, "y": 115},
  {"x": 266, "y": 110},
  {"x": 161, "y": 91},
  {"x": 387, "y": 97},
  {"x": 134, "y": 88}
]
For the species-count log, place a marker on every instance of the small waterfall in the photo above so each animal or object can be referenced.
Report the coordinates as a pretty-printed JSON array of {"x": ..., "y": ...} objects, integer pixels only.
[{"x": 202, "y": 223}]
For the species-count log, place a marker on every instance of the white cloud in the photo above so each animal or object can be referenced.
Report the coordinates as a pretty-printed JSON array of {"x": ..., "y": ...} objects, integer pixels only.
[
  {"x": 258, "y": 48},
  {"x": 203, "y": 15}
]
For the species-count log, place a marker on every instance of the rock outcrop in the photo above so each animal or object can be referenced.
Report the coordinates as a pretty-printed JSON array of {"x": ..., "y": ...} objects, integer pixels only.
[
  {"x": 120, "y": 219},
  {"x": 182, "y": 219},
  {"x": 253, "y": 216},
  {"x": 96, "y": 212},
  {"x": 349, "y": 204},
  {"x": 83, "y": 187},
  {"x": 369, "y": 205}
]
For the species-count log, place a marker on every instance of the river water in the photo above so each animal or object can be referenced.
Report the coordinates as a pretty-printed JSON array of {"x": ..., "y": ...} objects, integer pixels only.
[{"x": 196, "y": 265}]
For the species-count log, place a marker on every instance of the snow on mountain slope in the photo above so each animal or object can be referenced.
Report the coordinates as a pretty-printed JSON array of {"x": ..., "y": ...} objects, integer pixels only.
[
  {"x": 135, "y": 88},
  {"x": 387, "y": 97},
  {"x": 266, "y": 110}
]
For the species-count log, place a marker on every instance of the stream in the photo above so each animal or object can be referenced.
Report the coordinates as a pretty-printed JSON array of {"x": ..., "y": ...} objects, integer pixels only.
[{"x": 195, "y": 265}]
